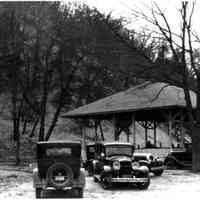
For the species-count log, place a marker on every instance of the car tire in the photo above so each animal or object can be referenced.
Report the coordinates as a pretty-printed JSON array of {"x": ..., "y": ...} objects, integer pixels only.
[
  {"x": 170, "y": 164},
  {"x": 90, "y": 170},
  {"x": 38, "y": 193},
  {"x": 105, "y": 184},
  {"x": 78, "y": 192},
  {"x": 59, "y": 166},
  {"x": 144, "y": 185},
  {"x": 158, "y": 173}
]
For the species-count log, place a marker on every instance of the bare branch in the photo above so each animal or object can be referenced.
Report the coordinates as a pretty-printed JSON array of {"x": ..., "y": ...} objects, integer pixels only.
[
  {"x": 191, "y": 53},
  {"x": 159, "y": 92},
  {"x": 164, "y": 31}
]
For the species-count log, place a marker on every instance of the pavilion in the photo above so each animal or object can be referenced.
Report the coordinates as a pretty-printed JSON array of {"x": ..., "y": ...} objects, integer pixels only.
[{"x": 148, "y": 104}]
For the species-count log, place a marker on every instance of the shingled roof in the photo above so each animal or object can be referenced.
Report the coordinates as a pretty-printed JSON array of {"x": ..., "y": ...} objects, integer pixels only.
[{"x": 147, "y": 96}]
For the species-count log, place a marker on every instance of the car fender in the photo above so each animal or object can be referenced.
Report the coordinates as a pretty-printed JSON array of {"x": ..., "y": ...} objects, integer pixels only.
[
  {"x": 82, "y": 176},
  {"x": 36, "y": 179},
  {"x": 144, "y": 163},
  {"x": 144, "y": 169},
  {"x": 172, "y": 158}
]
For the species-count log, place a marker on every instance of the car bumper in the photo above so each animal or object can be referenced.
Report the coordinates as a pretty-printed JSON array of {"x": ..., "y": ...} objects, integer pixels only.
[
  {"x": 158, "y": 168},
  {"x": 129, "y": 180}
]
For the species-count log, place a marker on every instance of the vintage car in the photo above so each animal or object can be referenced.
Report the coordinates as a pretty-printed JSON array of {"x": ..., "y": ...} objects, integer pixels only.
[
  {"x": 59, "y": 167},
  {"x": 179, "y": 158},
  {"x": 113, "y": 164},
  {"x": 154, "y": 164}
]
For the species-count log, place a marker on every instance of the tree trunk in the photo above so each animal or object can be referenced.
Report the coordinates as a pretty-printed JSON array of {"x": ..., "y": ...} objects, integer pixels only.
[
  {"x": 196, "y": 147},
  {"x": 54, "y": 121},
  {"x": 43, "y": 107},
  {"x": 34, "y": 127},
  {"x": 18, "y": 150},
  {"x": 196, "y": 132},
  {"x": 15, "y": 115}
]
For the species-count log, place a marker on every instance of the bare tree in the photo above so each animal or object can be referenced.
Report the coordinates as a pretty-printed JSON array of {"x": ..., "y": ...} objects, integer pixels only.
[{"x": 183, "y": 56}]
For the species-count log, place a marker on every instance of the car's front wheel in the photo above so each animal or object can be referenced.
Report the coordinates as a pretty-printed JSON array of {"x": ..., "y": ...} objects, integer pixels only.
[
  {"x": 38, "y": 193},
  {"x": 144, "y": 185},
  {"x": 170, "y": 164},
  {"x": 158, "y": 173},
  {"x": 105, "y": 181}
]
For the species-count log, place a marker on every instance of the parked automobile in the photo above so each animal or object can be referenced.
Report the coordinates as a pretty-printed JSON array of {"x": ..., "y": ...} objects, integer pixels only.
[
  {"x": 155, "y": 164},
  {"x": 179, "y": 158},
  {"x": 58, "y": 167},
  {"x": 113, "y": 164}
]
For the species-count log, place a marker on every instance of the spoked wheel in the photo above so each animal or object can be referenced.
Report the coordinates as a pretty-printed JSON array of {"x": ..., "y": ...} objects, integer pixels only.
[
  {"x": 144, "y": 185},
  {"x": 105, "y": 181},
  {"x": 38, "y": 193},
  {"x": 59, "y": 175}
]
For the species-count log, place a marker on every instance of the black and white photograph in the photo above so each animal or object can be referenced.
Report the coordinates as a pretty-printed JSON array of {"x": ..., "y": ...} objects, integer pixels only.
[{"x": 100, "y": 99}]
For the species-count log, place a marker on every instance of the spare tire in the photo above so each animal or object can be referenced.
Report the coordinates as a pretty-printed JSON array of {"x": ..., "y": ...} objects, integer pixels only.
[{"x": 59, "y": 175}]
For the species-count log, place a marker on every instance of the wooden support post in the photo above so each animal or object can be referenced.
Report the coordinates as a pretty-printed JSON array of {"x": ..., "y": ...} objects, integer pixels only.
[
  {"x": 83, "y": 130},
  {"x": 154, "y": 131},
  {"x": 146, "y": 134},
  {"x": 182, "y": 135},
  {"x": 101, "y": 131},
  {"x": 170, "y": 121},
  {"x": 115, "y": 129},
  {"x": 95, "y": 129},
  {"x": 134, "y": 130},
  {"x": 128, "y": 139}
]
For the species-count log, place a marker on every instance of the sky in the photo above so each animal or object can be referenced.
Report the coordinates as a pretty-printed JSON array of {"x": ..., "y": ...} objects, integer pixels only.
[{"x": 123, "y": 8}]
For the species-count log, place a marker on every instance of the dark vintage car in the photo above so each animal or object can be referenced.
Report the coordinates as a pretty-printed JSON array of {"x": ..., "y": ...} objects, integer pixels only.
[
  {"x": 154, "y": 164},
  {"x": 179, "y": 158},
  {"x": 59, "y": 167},
  {"x": 113, "y": 164}
]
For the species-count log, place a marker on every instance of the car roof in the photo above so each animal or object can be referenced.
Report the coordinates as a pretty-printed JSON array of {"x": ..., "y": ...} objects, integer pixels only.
[
  {"x": 141, "y": 154},
  {"x": 59, "y": 142},
  {"x": 109, "y": 143},
  {"x": 178, "y": 150},
  {"x": 118, "y": 143}
]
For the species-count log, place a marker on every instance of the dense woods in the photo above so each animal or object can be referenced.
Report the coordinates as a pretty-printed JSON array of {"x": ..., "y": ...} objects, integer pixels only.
[
  {"x": 58, "y": 55},
  {"x": 63, "y": 56}
]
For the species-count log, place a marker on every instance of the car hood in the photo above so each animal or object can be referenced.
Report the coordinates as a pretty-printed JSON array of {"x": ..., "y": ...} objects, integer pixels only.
[{"x": 120, "y": 158}]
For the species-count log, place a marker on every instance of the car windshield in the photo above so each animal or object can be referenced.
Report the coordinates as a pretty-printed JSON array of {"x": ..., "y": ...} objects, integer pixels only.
[
  {"x": 138, "y": 158},
  {"x": 118, "y": 150}
]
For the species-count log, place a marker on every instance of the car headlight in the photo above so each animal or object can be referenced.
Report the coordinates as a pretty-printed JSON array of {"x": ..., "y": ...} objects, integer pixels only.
[
  {"x": 107, "y": 168},
  {"x": 135, "y": 165},
  {"x": 116, "y": 165}
]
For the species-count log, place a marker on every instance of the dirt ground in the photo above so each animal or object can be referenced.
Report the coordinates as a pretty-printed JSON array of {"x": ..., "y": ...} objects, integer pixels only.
[{"x": 173, "y": 184}]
